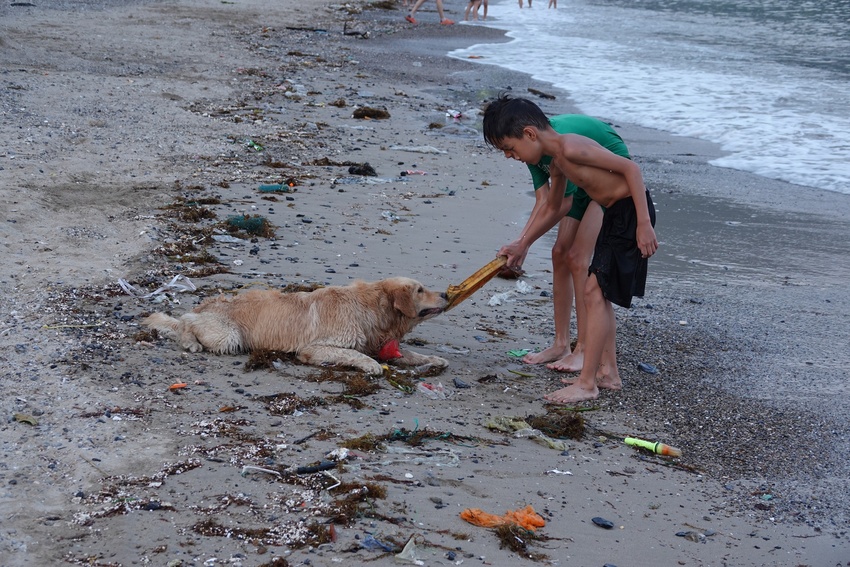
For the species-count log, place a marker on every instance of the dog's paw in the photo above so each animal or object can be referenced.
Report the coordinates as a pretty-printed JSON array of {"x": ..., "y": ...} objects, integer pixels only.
[{"x": 373, "y": 369}]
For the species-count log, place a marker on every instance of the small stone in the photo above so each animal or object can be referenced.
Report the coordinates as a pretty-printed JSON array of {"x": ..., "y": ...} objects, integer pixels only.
[{"x": 603, "y": 523}]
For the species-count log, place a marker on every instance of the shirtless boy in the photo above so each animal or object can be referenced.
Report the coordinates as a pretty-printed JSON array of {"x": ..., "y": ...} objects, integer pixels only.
[
  {"x": 627, "y": 238},
  {"x": 577, "y": 233}
]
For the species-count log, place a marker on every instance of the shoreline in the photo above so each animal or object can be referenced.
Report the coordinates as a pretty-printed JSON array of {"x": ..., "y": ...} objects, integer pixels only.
[{"x": 764, "y": 470}]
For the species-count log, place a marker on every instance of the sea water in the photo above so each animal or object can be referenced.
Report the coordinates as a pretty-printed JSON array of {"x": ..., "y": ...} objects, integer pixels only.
[{"x": 769, "y": 80}]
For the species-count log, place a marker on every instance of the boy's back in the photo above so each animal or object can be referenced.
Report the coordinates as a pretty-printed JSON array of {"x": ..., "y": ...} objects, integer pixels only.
[{"x": 601, "y": 132}]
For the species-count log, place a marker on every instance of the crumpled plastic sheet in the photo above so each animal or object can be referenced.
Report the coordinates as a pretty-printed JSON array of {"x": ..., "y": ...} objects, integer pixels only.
[
  {"x": 521, "y": 428},
  {"x": 409, "y": 554},
  {"x": 522, "y": 287},
  {"x": 178, "y": 283}
]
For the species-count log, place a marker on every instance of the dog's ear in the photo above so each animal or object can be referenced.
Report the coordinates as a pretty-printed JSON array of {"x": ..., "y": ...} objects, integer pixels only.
[{"x": 402, "y": 296}]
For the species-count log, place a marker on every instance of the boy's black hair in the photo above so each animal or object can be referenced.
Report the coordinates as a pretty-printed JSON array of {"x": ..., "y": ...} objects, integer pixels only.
[{"x": 506, "y": 117}]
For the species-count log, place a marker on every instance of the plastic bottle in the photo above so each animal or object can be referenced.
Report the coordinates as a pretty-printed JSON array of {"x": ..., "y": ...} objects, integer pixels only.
[{"x": 654, "y": 446}]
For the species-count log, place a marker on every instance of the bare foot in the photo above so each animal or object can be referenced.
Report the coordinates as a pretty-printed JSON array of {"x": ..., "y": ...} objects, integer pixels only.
[
  {"x": 609, "y": 382},
  {"x": 572, "y": 362},
  {"x": 546, "y": 355},
  {"x": 571, "y": 394}
]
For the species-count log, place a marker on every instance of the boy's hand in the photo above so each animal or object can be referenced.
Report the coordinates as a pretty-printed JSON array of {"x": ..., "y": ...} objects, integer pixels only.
[
  {"x": 646, "y": 240},
  {"x": 516, "y": 252}
]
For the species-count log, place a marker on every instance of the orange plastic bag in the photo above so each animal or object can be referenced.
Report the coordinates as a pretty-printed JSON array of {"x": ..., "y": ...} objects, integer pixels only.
[{"x": 525, "y": 518}]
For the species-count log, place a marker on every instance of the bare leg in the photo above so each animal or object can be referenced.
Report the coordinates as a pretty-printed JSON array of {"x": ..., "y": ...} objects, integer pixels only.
[
  {"x": 440, "y": 10},
  {"x": 600, "y": 314},
  {"x": 578, "y": 259},
  {"x": 608, "y": 375},
  {"x": 416, "y": 7},
  {"x": 562, "y": 295}
]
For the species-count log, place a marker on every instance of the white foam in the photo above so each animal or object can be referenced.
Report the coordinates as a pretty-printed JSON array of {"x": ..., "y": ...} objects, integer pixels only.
[{"x": 782, "y": 122}]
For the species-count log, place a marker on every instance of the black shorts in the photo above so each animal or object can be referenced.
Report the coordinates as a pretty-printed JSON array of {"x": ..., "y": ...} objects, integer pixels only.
[{"x": 617, "y": 263}]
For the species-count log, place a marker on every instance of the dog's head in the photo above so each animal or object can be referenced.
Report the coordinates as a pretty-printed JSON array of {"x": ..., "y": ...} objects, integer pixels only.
[{"x": 413, "y": 299}]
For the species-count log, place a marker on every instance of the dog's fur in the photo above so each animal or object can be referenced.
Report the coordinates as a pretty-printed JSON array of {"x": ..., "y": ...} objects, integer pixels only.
[{"x": 331, "y": 326}]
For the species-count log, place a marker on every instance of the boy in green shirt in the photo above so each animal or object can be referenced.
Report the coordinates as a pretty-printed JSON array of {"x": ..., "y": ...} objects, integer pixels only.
[{"x": 626, "y": 240}]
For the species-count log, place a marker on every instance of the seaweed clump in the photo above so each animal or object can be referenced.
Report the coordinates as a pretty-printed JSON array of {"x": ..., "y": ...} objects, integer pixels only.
[
  {"x": 559, "y": 424},
  {"x": 516, "y": 539}
]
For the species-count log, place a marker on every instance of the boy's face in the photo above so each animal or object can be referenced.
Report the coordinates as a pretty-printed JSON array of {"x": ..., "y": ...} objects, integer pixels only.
[{"x": 525, "y": 149}]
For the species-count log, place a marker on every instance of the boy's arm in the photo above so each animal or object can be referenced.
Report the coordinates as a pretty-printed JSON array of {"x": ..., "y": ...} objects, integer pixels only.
[
  {"x": 540, "y": 221},
  {"x": 646, "y": 240}
]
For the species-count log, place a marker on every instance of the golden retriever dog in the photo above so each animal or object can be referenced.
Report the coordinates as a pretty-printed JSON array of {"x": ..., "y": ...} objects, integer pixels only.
[{"x": 331, "y": 326}]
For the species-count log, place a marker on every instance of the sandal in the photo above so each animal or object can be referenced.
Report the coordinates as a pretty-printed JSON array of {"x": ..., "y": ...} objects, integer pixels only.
[
  {"x": 410, "y": 19},
  {"x": 447, "y": 22}
]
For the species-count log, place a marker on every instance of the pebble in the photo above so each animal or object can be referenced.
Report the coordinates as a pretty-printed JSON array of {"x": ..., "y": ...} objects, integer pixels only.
[{"x": 603, "y": 523}]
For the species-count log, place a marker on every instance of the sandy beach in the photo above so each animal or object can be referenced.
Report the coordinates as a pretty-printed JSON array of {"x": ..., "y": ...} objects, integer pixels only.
[{"x": 134, "y": 132}]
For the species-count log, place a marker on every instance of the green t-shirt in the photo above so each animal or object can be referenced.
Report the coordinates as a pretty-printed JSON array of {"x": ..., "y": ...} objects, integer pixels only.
[{"x": 587, "y": 126}]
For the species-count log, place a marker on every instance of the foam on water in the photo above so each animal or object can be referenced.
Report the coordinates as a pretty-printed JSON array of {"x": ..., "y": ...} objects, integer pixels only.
[{"x": 777, "y": 111}]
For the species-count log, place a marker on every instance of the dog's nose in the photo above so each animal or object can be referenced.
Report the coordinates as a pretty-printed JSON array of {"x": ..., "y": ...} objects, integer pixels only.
[{"x": 444, "y": 295}]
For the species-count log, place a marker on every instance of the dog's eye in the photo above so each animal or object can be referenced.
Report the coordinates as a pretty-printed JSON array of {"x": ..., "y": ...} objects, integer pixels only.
[{"x": 420, "y": 290}]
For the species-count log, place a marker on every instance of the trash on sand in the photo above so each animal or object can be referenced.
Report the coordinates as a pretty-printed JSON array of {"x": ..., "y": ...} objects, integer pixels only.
[
  {"x": 654, "y": 446},
  {"x": 451, "y": 350},
  {"x": 408, "y": 554},
  {"x": 390, "y": 216},
  {"x": 524, "y": 287},
  {"x": 460, "y": 383},
  {"x": 433, "y": 391},
  {"x": 248, "y": 468},
  {"x": 648, "y": 368},
  {"x": 178, "y": 386},
  {"x": 500, "y": 298},
  {"x": 227, "y": 239},
  {"x": 418, "y": 149},
  {"x": 252, "y": 224},
  {"x": 254, "y": 145},
  {"x": 277, "y": 188},
  {"x": 520, "y": 428},
  {"x": 24, "y": 418},
  {"x": 177, "y": 284},
  {"x": 372, "y": 543},
  {"x": 412, "y": 172},
  {"x": 519, "y": 352},
  {"x": 525, "y": 518},
  {"x": 523, "y": 374},
  {"x": 338, "y": 455}
]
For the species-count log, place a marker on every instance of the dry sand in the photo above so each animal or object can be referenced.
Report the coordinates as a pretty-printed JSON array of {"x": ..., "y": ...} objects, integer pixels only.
[{"x": 131, "y": 130}]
